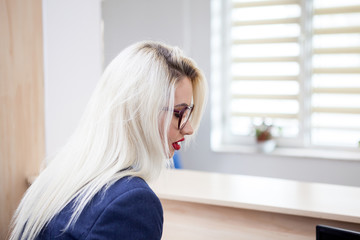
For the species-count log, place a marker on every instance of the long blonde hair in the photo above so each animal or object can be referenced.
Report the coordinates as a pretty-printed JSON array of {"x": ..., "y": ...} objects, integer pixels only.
[{"x": 119, "y": 134}]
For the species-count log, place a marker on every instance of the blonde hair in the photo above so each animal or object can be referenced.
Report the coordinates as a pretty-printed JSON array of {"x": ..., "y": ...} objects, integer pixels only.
[{"x": 119, "y": 134}]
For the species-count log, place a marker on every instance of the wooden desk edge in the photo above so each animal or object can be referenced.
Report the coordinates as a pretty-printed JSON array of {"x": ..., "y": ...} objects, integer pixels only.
[{"x": 257, "y": 207}]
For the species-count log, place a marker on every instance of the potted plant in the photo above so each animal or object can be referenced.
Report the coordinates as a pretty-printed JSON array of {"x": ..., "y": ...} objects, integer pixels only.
[{"x": 264, "y": 138}]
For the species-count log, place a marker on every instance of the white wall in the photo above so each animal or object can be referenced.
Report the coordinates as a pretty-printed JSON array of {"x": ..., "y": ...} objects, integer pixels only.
[
  {"x": 178, "y": 22},
  {"x": 72, "y": 62}
]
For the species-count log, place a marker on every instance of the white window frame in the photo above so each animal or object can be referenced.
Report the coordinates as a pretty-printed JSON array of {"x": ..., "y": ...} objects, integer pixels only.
[{"x": 221, "y": 139}]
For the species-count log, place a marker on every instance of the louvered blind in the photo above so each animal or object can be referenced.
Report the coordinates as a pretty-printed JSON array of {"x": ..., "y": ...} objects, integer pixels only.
[
  {"x": 335, "y": 118},
  {"x": 265, "y": 65},
  {"x": 296, "y": 64}
]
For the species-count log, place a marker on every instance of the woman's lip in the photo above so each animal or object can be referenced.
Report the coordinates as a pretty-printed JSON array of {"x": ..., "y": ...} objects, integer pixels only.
[
  {"x": 181, "y": 140},
  {"x": 176, "y": 145}
]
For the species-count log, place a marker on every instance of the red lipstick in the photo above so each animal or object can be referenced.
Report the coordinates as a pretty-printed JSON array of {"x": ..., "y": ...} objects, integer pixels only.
[{"x": 176, "y": 145}]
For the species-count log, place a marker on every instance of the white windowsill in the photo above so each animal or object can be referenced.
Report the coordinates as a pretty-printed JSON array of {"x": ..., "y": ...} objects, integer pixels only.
[{"x": 313, "y": 153}]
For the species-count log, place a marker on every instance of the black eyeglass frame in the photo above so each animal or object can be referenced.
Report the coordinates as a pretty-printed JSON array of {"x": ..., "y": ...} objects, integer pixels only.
[{"x": 181, "y": 114}]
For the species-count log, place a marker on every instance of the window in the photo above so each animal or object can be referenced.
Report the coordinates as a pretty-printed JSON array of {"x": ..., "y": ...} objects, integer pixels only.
[{"x": 292, "y": 63}]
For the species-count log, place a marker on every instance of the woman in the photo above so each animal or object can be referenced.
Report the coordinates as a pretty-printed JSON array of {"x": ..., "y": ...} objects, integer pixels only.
[{"x": 96, "y": 186}]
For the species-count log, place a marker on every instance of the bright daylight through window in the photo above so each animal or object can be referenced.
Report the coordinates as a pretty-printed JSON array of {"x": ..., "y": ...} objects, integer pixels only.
[{"x": 292, "y": 64}]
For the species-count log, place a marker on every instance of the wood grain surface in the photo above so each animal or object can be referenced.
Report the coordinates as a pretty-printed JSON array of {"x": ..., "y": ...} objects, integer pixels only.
[{"x": 22, "y": 143}]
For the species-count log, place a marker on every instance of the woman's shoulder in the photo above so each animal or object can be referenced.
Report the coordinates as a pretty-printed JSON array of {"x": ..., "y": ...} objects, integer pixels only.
[
  {"x": 124, "y": 186},
  {"x": 127, "y": 209},
  {"x": 125, "y": 192}
]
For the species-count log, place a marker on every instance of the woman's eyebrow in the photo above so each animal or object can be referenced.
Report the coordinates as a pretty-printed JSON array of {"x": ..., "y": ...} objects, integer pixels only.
[{"x": 182, "y": 105}]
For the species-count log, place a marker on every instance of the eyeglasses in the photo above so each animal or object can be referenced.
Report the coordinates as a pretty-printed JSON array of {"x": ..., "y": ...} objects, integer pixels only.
[{"x": 183, "y": 115}]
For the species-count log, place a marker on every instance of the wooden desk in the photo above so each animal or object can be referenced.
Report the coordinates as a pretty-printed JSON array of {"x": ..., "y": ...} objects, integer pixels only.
[{"x": 199, "y": 205}]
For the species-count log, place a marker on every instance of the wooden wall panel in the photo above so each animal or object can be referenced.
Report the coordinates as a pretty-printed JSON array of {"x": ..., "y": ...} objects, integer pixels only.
[{"x": 22, "y": 143}]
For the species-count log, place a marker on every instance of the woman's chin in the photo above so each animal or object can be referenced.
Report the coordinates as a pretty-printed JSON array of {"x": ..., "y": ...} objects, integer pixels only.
[{"x": 171, "y": 152}]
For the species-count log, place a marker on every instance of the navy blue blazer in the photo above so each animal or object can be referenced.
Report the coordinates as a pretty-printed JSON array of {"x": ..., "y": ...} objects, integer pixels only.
[{"x": 129, "y": 209}]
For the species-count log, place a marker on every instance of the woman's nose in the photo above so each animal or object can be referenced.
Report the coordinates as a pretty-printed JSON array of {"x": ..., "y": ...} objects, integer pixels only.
[{"x": 187, "y": 130}]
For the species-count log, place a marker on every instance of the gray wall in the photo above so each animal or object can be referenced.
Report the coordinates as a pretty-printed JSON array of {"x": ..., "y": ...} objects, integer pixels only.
[{"x": 129, "y": 21}]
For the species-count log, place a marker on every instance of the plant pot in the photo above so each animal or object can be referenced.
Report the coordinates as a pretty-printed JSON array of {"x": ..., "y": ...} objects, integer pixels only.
[{"x": 266, "y": 146}]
